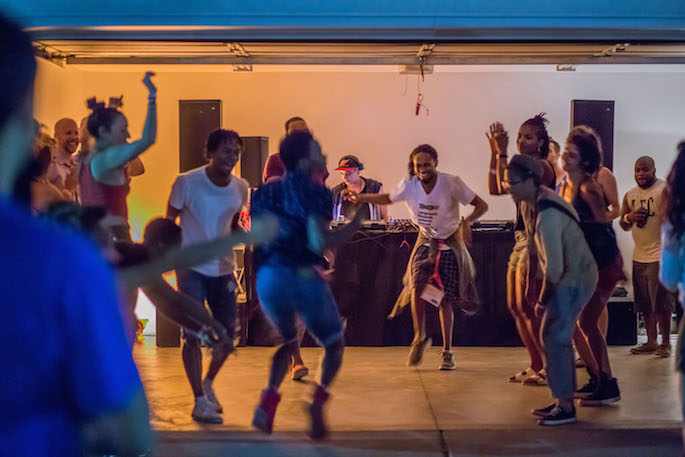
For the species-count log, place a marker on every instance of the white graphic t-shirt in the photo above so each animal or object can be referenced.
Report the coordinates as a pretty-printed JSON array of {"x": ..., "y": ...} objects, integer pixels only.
[
  {"x": 437, "y": 213},
  {"x": 648, "y": 238},
  {"x": 207, "y": 211}
]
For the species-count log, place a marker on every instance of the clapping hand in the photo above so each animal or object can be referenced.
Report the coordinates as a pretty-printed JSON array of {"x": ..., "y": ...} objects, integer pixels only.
[{"x": 498, "y": 138}]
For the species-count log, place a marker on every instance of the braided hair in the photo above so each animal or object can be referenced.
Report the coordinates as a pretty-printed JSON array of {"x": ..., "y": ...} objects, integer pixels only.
[{"x": 539, "y": 123}]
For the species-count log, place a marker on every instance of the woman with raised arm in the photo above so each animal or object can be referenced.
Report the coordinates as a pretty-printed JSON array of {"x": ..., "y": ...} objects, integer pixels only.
[
  {"x": 532, "y": 140},
  {"x": 103, "y": 176}
]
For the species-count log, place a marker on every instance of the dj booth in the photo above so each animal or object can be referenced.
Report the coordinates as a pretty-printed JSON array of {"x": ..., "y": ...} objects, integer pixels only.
[{"x": 367, "y": 279}]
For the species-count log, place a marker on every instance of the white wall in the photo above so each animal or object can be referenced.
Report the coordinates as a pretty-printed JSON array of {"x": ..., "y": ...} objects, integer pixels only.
[{"x": 370, "y": 115}]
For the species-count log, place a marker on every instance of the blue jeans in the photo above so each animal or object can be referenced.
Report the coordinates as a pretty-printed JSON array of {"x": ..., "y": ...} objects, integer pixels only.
[
  {"x": 558, "y": 325},
  {"x": 219, "y": 292},
  {"x": 285, "y": 292}
]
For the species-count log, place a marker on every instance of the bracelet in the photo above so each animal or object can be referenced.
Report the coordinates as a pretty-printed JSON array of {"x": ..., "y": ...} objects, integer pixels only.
[
  {"x": 493, "y": 172},
  {"x": 626, "y": 220}
]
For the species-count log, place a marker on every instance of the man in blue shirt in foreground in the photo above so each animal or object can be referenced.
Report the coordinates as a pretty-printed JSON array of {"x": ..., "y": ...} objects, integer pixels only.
[{"x": 70, "y": 385}]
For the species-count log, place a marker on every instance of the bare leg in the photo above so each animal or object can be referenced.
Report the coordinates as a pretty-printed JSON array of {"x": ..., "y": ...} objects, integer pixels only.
[
  {"x": 589, "y": 323},
  {"x": 297, "y": 356},
  {"x": 446, "y": 324},
  {"x": 279, "y": 365},
  {"x": 650, "y": 325},
  {"x": 219, "y": 356},
  {"x": 664, "y": 320},
  {"x": 418, "y": 315},
  {"x": 331, "y": 362},
  {"x": 192, "y": 362},
  {"x": 514, "y": 294},
  {"x": 604, "y": 322},
  {"x": 584, "y": 351}
]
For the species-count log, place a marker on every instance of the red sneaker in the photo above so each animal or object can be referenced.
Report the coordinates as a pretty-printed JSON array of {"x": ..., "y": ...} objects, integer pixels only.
[
  {"x": 266, "y": 410},
  {"x": 317, "y": 430}
]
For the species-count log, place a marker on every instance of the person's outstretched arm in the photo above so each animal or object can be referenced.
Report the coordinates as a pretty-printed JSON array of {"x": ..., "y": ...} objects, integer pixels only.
[
  {"x": 262, "y": 231},
  {"x": 117, "y": 156},
  {"x": 498, "y": 139},
  {"x": 322, "y": 238}
]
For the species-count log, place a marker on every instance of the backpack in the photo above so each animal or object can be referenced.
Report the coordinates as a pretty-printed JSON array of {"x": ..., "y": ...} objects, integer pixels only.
[{"x": 600, "y": 236}]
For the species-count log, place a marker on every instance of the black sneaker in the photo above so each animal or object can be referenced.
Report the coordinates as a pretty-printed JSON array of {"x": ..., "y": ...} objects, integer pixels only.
[
  {"x": 587, "y": 389},
  {"x": 542, "y": 412},
  {"x": 558, "y": 416},
  {"x": 607, "y": 393}
]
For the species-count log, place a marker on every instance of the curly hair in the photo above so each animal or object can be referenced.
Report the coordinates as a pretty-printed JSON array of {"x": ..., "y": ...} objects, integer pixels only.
[
  {"x": 675, "y": 195},
  {"x": 427, "y": 148},
  {"x": 539, "y": 123},
  {"x": 589, "y": 146}
]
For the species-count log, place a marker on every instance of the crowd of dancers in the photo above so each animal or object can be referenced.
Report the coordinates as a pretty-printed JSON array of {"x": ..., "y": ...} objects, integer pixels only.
[{"x": 71, "y": 271}]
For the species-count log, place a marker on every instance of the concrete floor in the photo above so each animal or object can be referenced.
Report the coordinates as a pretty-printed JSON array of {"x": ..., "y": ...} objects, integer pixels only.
[{"x": 380, "y": 407}]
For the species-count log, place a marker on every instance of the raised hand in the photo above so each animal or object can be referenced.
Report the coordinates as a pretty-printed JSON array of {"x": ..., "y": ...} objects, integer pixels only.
[
  {"x": 149, "y": 84},
  {"x": 498, "y": 138}
]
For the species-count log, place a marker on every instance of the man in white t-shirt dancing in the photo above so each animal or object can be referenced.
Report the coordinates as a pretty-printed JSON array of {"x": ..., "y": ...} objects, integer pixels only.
[
  {"x": 208, "y": 201},
  {"x": 433, "y": 199}
]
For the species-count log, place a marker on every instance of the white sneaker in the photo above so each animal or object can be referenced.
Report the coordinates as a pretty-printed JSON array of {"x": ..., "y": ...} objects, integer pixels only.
[
  {"x": 448, "y": 362},
  {"x": 211, "y": 396},
  {"x": 205, "y": 411}
]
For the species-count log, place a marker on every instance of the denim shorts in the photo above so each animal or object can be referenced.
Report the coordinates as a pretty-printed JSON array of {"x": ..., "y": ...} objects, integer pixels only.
[
  {"x": 285, "y": 292},
  {"x": 219, "y": 292}
]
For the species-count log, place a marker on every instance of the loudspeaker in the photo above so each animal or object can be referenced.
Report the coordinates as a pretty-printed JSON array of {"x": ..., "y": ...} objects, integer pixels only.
[
  {"x": 622, "y": 323},
  {"x": 600, "y": 116},
  {"x": 253, "y": 159},
  {"x": 167, "y": 334},
  {"x": 197, "y": 119}
]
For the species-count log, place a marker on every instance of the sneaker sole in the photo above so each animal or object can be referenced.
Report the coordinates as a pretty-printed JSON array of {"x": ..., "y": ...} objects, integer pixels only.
[
  {"x": 443, "y": 368},
  {"x": 533, "y": 384},
  {"x": 299, "y": 374},
  {"x": 605, "y": 402},
  {"x": 642, "y": 352},
  {"x": 570, "y": 420},
  {"x": 208, "y": 420}
]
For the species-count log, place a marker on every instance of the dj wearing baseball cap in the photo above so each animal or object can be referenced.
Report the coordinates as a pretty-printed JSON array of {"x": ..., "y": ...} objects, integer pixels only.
[{"x": 350, "y": 169}]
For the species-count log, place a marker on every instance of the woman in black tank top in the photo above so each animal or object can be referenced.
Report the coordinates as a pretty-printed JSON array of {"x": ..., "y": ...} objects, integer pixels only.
[{"x": 581, "y": 159}]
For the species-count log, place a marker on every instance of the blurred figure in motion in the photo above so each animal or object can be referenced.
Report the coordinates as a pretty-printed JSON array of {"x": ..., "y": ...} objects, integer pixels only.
[{"x": 70, "y": 385}]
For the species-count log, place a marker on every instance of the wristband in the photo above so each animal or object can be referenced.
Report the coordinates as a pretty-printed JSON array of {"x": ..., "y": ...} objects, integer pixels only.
[{"x": 626, "y": 220}]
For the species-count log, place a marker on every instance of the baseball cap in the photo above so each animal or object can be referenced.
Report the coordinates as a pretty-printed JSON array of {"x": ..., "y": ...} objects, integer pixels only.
[
  {"x": 349, "y": 162},
  {"x": 528, "y": 164}
]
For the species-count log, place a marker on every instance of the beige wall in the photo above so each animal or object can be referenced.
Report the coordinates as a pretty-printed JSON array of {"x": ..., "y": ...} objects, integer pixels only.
[{"x": 371, "y": 114}]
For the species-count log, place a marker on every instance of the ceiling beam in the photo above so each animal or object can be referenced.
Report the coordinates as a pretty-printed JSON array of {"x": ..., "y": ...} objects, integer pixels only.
[{"x": 616, "y": 59}]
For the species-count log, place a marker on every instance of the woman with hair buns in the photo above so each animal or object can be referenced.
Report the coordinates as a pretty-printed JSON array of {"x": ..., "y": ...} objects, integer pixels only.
[
  {"x": 103, "y": 176},
  {"x": 522, "y": 285}
]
